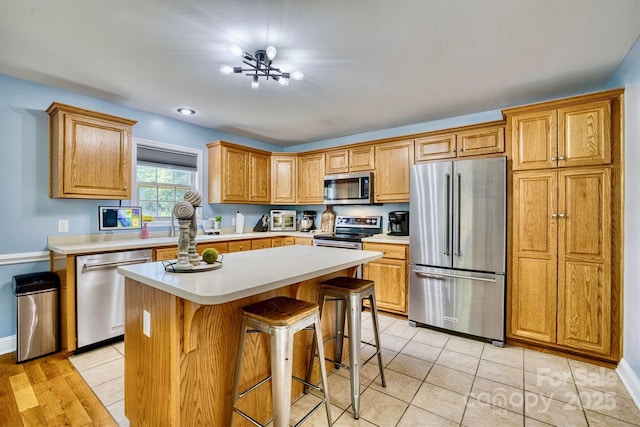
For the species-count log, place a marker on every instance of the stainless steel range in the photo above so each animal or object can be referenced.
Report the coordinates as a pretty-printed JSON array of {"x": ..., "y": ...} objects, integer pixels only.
[{"x": 349, "y": 232}]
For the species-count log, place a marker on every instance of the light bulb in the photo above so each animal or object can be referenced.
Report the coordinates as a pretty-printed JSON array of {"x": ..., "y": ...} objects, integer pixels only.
[
  {"x": 255, "y": 84},
  {"x": 226, "y": 69},
  {"x": 298, "y": 75},
  {"x": 271, "y": 52},
  {"x": 284, "y": 81},
  {"x": 186, "y": 111},
  {"x": 236, "y": 50}
]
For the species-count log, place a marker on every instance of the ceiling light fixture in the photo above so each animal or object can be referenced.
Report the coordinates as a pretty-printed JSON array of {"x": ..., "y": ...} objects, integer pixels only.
[
  {"x": 186, "y": 111},
  {"x": 260, "y": 64}
]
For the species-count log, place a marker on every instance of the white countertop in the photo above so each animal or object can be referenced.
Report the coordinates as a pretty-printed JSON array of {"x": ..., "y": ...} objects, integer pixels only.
[
  {"x": 75, "y": 245},
  {"x": 249, "y": 273}
]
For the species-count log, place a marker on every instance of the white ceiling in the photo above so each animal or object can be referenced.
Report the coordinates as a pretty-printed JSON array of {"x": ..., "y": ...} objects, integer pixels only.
[{"x": 368, "y": 64}]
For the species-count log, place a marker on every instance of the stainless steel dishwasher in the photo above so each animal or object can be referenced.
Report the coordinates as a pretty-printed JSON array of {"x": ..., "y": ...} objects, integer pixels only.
[{"x": 100, "y": 295}]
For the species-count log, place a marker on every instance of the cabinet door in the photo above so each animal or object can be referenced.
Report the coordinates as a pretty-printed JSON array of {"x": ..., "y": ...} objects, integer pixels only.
[
  {"x": 284, "y": 175},
  {"x": 239, "y": 245},
  {"x": 584, "y": 134},
  {"x": 164, "y": 254},
  {"x": 336, "y": 162},
  {"x": 234, "y": 175},
  {"x": 260, "y": 244},
  {"x": 435, "y": 147},
  {"x": 534, "y": 141},
  {"x": 481, "y": 141},
  {"x": 221, "y": 247},
  {"x": 311, "y": 179},
  {"x": 534, "y": 256},
  {"x": 361, "y": 159},
  {"x": 259, "y": 178},
  {"x": 393, "y": 165},
  {"x": 303, "y": 241},
  {"x": 584, "y": 259},
  {"x": 390, "y": 280},
  {"x": 97, "y": 158}
]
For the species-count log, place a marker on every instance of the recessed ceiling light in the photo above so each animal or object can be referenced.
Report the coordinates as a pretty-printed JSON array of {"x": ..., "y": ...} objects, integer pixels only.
[{"x": 186, "y": 111}]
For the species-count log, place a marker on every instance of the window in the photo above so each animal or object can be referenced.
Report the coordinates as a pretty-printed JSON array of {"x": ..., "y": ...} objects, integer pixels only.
[{"x": 164, "y": 173}]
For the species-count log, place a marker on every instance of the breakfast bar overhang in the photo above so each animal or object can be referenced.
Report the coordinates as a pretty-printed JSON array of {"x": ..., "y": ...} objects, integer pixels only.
[{"x": 182, "y": 331}]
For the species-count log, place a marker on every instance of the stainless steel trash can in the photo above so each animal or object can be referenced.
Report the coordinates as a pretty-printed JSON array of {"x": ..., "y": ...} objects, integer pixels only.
[{"x": 37, "y": 328}]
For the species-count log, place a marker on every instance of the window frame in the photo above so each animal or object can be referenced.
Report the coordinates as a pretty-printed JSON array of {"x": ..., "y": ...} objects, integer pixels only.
[{"x": 199, "y": 153}]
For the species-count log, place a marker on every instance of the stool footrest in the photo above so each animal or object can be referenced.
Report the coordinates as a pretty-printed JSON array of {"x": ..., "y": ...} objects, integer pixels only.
[
  {"x": 248, "y": 418},
  {"x": 253, "y": 387}
]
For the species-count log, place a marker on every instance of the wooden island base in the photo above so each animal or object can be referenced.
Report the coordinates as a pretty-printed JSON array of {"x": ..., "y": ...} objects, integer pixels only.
[{"x": 182, "y": 375}]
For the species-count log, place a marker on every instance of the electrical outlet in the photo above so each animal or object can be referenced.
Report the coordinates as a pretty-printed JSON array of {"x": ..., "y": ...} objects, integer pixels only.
[
  {"x": 233, "y": 222},
  {"x": 63, "y": 225},
  {"x": 146, "y": 323}
]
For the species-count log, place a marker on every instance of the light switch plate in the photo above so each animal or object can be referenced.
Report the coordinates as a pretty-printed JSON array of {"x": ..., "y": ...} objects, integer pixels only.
[{"x": 146, "y": 323}]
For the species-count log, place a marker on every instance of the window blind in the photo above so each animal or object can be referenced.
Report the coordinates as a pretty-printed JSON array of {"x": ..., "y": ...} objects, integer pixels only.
[{"x": 160, "y": 156}]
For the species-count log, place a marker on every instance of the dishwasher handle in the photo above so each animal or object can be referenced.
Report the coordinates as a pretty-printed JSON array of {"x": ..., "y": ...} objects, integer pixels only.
[
  {"x": 452, "y": 276},
  {"x": 113, "y": 264}
]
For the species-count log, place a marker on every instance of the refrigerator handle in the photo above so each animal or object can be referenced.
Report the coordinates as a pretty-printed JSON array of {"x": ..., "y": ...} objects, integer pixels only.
[
  {"x": 447, "y": 186},
  {"x": 457, "y": 249},
  {"x": 452, "y": 276}
]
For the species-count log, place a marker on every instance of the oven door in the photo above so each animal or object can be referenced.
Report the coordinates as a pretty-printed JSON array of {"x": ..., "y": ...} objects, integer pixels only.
[{"x": 341, "y": 244}]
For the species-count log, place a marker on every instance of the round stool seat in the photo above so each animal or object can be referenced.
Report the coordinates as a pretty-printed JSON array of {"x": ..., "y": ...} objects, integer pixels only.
[{"x": 348, "y": 284}]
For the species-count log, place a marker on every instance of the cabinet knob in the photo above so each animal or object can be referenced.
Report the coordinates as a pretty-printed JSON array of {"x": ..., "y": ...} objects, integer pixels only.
[
  {"x": 453, "y": 150},
  {"x": 553, "y": 159},
  {"x": 561, "y": 215},
  {"x": 554, "y": 215},
  {"x": 125, "y": 187},
  {"x": 561, "y": 158}
]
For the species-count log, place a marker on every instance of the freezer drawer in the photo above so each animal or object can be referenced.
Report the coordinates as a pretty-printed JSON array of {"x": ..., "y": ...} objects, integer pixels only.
[{"x": 461, "y": 301}]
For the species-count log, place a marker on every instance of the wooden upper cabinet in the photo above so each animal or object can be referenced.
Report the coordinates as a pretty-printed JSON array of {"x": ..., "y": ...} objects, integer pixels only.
[
  {"x": 311, "y": 179},
  {"x": 238, "y": 174},
  {"x": 259, "y": 177},
  {"x": 574, "y": 135},
  {"x": 471, "y": 141},
  {"x": 90, "y": 154},
  {"x": 435, "y": 147},
  {"x": 392, "y": 175},
  {"x": 284, "y": 178},
  {"x": 357, "y": 159}
]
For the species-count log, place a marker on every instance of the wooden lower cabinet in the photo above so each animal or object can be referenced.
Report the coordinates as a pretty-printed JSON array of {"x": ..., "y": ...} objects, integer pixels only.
[
  {"x": 260, "y": 243},
  {"x": 303, "y": 241},
  {"x": 239, "y": 245},
  {"x": 276, "y": 242},
  {"x": 561, "y": 290},
  {"x": 164, "y": 254},
  {"x": 390, "y": 276},
  {"x": 221, "y": 247}
]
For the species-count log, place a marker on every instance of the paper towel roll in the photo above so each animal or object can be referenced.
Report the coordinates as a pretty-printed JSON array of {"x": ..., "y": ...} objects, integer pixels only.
[{"x": 239, "y": 223}]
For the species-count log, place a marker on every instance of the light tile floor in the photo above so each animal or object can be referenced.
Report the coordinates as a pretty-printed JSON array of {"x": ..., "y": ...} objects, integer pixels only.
[{"x": 436, "y": 379}]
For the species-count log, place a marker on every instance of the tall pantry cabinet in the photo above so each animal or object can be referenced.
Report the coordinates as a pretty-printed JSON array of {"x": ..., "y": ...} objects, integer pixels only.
[{"x": 566, "y": 225}]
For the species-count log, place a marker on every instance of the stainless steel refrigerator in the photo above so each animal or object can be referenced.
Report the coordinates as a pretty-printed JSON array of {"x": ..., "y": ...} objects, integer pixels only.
[{"x": 458, "y": 246}]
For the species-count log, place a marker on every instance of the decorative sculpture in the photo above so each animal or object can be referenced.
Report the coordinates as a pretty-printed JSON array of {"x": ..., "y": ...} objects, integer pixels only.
[
  {"x": 194, "y": 198},
  {"x": 184, "y": 212}
]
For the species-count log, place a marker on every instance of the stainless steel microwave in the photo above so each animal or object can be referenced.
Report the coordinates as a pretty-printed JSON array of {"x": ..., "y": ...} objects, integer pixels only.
[{"x": 349, "y": 189}]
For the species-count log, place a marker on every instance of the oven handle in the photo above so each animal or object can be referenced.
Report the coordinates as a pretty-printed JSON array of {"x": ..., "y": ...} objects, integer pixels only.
[{"x": 336, "y": 244}]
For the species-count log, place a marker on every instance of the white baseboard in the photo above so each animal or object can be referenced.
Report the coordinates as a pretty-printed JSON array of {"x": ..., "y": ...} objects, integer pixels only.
[
  {"x": 630, "y": 380},
  {"x": 7, "y": 344}
]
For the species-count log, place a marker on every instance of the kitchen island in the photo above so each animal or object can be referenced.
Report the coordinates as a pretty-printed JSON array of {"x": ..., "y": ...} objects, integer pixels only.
[{"x": 182, "y": 331}]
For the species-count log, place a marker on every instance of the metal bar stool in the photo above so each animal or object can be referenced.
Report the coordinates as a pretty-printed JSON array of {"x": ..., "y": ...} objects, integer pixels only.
[
  {"x": 349, "y": 294},
  {"x": 281, "y": 318}
]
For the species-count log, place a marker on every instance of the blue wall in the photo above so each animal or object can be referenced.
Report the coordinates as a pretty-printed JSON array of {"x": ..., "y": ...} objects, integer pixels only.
[{"x": 628, "y": 76}]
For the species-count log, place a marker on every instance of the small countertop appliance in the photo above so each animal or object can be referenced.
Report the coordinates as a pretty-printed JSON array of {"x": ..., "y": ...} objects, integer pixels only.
[
  {"x": 308, "y": 222},
  {"x": 398, "y": 223}
]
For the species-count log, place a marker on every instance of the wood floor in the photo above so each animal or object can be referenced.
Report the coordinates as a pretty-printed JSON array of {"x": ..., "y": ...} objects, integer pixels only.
[{"x": 47, "y": 392}]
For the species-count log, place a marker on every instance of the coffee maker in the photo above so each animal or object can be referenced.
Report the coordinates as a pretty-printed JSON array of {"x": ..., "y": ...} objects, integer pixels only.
[
  {"x": 398, "y": 223},
  {"x": 308, "y": 222}
]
